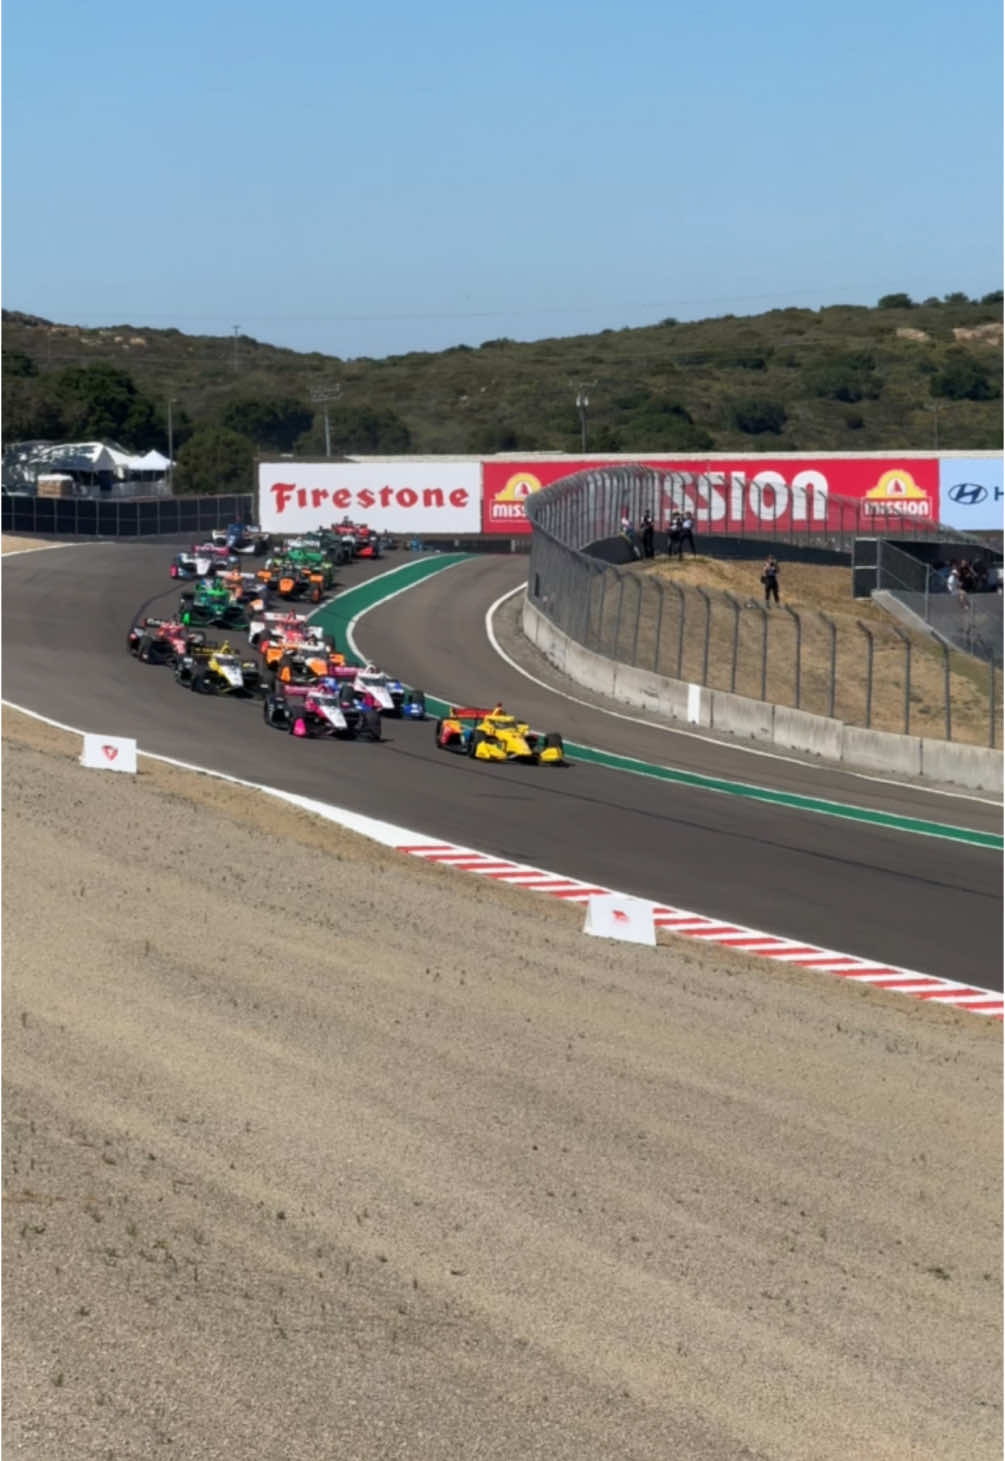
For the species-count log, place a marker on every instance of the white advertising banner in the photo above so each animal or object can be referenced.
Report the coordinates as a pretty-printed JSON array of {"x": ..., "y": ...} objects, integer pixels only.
[
  {"x": 392, "y": 497},
  {"x": 109, "y": 753},
  {"x": 971, "y": 495},
  {"x": 610, "y": 915}
]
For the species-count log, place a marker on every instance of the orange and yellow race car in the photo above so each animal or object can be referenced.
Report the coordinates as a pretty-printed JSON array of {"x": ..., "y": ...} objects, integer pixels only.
[{"x": 495, "y": 735}]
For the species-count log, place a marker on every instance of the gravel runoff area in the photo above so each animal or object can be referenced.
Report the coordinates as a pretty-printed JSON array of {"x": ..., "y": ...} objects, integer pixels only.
[{"x": 311, "y": 1151}]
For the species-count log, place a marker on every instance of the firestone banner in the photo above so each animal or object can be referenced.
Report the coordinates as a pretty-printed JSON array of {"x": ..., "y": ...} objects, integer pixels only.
[
  {"x": 393, "y": 497},
  {"x": 745, "y": 493}
]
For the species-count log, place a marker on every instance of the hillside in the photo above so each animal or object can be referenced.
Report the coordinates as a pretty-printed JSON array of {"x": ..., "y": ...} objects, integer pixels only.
[{"x": 841, "y": 378}]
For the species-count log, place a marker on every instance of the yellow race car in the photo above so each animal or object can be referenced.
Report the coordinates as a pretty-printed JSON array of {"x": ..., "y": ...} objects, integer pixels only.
[{"x": 495, "y": 735}]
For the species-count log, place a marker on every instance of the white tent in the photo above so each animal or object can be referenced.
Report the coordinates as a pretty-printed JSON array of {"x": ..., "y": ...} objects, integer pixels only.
[{"x": 152, "y": 462}]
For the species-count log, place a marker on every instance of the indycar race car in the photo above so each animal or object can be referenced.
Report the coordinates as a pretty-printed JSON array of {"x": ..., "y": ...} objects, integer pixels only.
[
  {"x": 214, "y": 669},
  {"x": 494, "y": 735},
  {"x": 162, "y": 641},
  {"x": 201, "y": 561},
  {"x": 391, "y": 696},
  {"x": 330, "y": 709},
  {"x": 305, "y": 664},
  {"x": 242, "y": 538},
  {"x": 211, "y": 601},
  {"x": 286, "y": 627},
  {"x": 293, "y": 580}
]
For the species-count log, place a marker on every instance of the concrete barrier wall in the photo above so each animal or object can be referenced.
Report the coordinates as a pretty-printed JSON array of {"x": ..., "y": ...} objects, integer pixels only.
[
  {"x": 817, "y": 735},
  {"x": 882, "y": 751},
  {"x": 741, "y": 716},
  {"x": 975, "y": 767}
]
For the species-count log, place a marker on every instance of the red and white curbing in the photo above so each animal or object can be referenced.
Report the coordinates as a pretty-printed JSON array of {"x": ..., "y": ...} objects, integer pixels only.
[
  {"x": 727, "y": 935},
  {"x": 673, "y": 920}
]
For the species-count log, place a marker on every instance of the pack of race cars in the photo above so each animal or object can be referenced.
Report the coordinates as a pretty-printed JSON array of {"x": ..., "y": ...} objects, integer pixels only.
[{"x": 293, "y": 668}]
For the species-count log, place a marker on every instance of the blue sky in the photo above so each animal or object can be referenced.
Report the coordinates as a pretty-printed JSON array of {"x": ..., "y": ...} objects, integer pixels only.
[{"x": 366, "y": 180}]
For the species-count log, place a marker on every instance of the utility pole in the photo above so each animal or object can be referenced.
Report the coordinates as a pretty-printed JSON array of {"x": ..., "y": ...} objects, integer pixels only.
[
  {"x": 322, "y": 396},
  {"x": 582, "y": 401},
  {"x": 171, "y": 401}
]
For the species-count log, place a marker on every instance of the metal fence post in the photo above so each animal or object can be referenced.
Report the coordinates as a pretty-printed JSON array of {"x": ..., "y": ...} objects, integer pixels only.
[
  {"x": 799, "y": 647},
  {"x": 638, "y": 619},
  {"x": 736, "y": 606},
  {"x": 992, "y": 725},
  {"x": 659, "y": 625},
  {"x": 868, "y": 672},
  {"x": 764, "y": 650},
  {"x": 907, "y": 677},
  {"x": 948, "y": 691},
  {"x": 708, "y": 631},
  {"x": 617, "y": 617},
  {"x": 832, "y": 685},
  {"x": 680, "y": 630}
]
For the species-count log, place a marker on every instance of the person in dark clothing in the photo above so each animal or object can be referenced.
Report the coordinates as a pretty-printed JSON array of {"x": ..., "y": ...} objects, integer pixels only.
[
  {"x": 648, "y": 528},
  {"x": 687, "y": 534},
  {"x": 673, "y": 535},
  {"x": 769, "y": 577}
]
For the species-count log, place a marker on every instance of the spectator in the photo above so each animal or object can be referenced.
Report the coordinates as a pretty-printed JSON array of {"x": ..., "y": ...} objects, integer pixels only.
[
  {"x": 628, "y": 533},
  {"x": 648, "y": 529},
  {"x": 673, "y": 535},
  {"x": 953, "y": 581},
  {"x": 967, "y": 580},
  {"x": 687, "y": 534},
  {"x": 769, "y": 577}
]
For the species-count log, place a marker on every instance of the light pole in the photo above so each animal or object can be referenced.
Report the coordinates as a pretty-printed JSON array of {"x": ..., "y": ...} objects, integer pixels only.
[
  {"x": 582, "y": 401},
  {"x": 321, "y": 396},
  {"x": 171, "y": 401}
]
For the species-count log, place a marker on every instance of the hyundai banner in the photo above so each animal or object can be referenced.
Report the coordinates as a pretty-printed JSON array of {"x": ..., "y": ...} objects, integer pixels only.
[
  {"x": 971, "y": 494},
  {"x": 745, "y": 494},
  {"x": 392, "y": 497}
]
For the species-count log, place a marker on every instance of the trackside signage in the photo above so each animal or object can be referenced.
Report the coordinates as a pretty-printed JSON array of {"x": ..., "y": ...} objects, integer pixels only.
[
  {"x": 972, "y": 495},
  {"x": 394, "y": 497},
  {"x": 745, "y": 493}
]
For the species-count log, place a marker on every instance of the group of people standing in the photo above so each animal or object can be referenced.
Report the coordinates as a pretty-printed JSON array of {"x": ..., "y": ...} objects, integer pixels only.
[{"x": 679, "y": 530}]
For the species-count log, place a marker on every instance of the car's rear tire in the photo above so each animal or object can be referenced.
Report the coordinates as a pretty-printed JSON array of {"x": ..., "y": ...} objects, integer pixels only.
[
  {"x": 371, "y": 724},
  {"x": 553, "y": 741},
  {"x": 203, "y": 684}
]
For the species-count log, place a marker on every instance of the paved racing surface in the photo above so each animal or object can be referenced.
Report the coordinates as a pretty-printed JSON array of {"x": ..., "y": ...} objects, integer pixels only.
[{"x": 910, "y": 900}]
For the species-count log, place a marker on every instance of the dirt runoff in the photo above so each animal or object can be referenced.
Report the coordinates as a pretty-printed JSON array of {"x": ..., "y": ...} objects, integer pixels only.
[{"x": 313, "y": 1152}]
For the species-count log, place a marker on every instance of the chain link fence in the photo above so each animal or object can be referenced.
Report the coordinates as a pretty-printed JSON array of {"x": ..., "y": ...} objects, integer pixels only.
[
  {"x": 875, "y": 675},
  {"x": 122, "y": 517}
]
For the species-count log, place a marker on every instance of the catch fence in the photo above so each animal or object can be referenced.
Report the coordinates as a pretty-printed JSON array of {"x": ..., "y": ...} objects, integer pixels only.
[
  {"x": 874, "y": 674},
  {"x": 122, "y": 517}
]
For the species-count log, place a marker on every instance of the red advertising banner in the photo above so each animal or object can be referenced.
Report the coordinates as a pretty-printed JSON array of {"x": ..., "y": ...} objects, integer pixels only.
[{"x": 741, "y": 493}]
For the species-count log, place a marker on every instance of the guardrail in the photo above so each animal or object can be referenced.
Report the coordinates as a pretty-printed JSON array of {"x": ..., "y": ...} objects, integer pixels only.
[{"x": 122, "y": 517}]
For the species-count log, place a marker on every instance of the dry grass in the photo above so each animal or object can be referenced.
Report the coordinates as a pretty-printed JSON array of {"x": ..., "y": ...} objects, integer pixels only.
[{"x": 766, "y": 668}]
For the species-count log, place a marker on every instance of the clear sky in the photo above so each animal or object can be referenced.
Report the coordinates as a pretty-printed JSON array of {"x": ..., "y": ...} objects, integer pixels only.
[{"x": 374, "y": 178}]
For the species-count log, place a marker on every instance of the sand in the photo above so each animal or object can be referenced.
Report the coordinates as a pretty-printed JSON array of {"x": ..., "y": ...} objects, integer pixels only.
[{"x": 311, "y": 1151}]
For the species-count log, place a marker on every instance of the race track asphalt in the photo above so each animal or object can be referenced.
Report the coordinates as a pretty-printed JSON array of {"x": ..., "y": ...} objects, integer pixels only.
[{"x": 916, "y": 901}]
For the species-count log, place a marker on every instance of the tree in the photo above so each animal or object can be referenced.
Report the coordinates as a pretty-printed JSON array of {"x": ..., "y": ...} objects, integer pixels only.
[
  {"x": 895, "y": 301},
  {"x": 17, "y": 363},
  {"x": 758, "y": 416},
  {"x": 101, "y": 403},
  {"x": 215, "y": 460},
  {"x": 847, "y": 378},
  {"x": 273, "y": 423},
  {"x": 995, "y": 297},
  {"x": 964, "y": 378},
  {"x": 957, "y": 297}
]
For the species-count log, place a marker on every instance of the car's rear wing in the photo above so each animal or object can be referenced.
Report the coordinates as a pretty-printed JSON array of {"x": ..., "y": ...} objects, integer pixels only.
[{"x": 468, "y": 713}]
